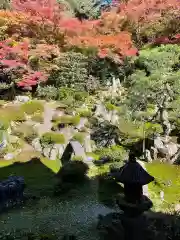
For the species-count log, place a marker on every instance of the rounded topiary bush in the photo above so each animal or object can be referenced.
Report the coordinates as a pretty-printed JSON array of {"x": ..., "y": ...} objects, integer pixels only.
[
  {"x": 29, "y": 137},
  {"x": 80, "y": 137},
  {"x": 77, "y": 158},
  {"x": 49, "y": 138},
  {"x": 74, "y": 120},
  {"x": 80, "y": 96},
  {"x": 114, "y": 167},
  {"x": 32, "y": 107},
  {"x": 73, "y": 171},
  {"x": 47, "y": 92},
  {"x": 4, "y": 124},
  {"x": 115, "y": 153},
  {"x": 38, "y": 117},
  {"x": 16, "y": 115},
  {"x": 26, "y": 132},
  {"x": 85, "y": 113}
]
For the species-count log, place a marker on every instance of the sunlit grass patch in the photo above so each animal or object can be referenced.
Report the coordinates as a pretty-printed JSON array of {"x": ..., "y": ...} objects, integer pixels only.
[
  {"x": 54, "y": 165},
  {"x": 168, "y": 178}
]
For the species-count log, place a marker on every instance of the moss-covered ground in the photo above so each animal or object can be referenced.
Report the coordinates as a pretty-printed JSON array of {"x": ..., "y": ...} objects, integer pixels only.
[
  {"x": 168, "y": 181},
  {"x": 72, "y": 213}
]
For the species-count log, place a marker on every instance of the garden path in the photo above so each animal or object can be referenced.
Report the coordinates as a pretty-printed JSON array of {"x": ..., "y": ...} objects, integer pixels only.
[{"x": 47, "y": 124}]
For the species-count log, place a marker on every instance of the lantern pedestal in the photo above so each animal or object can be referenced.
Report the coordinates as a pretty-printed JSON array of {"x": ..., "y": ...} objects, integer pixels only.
[
  {"x": 134, "y": 209},
  {"x": 131, "y": 221}
]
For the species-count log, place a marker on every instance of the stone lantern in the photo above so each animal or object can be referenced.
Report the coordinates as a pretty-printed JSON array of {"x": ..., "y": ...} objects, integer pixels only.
[
  {"x": 133, "y": 204},
  {"x": 134, "y": 177}
]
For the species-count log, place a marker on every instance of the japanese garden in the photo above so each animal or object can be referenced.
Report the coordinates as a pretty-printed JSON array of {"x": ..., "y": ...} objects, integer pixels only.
[{"x": 90, "y": 119}]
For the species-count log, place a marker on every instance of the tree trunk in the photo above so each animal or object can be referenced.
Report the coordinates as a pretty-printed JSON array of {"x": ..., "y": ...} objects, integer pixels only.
[{"x": 164, "y": 117}]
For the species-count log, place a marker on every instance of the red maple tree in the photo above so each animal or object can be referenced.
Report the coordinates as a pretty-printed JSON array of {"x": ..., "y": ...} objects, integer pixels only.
[
  {"x": 143, "y": 18},
  {"x": 107, "y": 45},
  {"x": 147, "y": 10},
  {"x": 41, "y": 9},
  {"x": 14, "y": 61}
]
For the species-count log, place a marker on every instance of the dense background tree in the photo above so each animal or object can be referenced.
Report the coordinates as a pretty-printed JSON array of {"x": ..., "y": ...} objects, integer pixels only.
[{"x": 156, "y": 82}]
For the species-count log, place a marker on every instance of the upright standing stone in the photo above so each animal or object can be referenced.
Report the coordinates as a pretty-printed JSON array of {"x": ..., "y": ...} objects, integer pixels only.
[{"x": 87, "y": 144}]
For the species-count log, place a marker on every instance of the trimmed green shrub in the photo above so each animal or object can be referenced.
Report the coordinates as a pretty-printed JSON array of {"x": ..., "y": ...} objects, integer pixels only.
[
  {"x": 110, "y": 107},
  {"x": 83, "y": 130},
  {"x": 69, "y": 111},
  {"x": 116, "y": 166},
  {"x": 72, "y": 71},
  {"x": 50, "y": 138},
  {"x": 87, "y": 125},
  {"x": 80, "y": 96},
  {"x": 25, "y": 132},
  {"x": 80, "y": 137},
  {"x": 77, "y": 158},
  {"x": 12, "y": 113},
  {"x": 61, "y": 107},
  {"x": 74, "y": 171},
  {"x": 116, "y": 153},
  {"x": 31, "y": 136},
  {"x": 32, "y": 107},
  {"x": 65, "y": 93},
  {"x": 47, "y": 92},
  {"x": 38, "y": 117},
  {"x": 56, "y": 118},
  {"x": 4, "y": 124},
  {"x": 67, "y": 119},
  {"x": 85, "y": 113},
  {"x": 17, "y": 116}
]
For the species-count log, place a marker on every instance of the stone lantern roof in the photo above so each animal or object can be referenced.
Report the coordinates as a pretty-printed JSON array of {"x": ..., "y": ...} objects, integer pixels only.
[{"x": 132, "y": 173}]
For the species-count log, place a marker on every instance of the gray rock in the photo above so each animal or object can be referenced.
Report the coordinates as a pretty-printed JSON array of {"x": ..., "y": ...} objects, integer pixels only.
[
  {"x": 158, "y": 143},
  {"x": 166, "y": 149},
  {"x": 60, "y": 149},
  {"x": 50, "y": 153},
  {"x": 36, "y": 145},
  {"x": 9, "y": 156},
  {"x": 101, "y": 111},
  {"x": 87, "y": 144},
  {"x": 114, "y": 116},
  {"x": 22, "y": 99},
  {"x": 148, "y": 157},
  {"x": 172, "y": 148}
]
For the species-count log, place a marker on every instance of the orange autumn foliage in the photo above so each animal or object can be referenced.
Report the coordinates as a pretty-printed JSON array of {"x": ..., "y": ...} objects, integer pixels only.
[
  {"x": 149, "y": 18},
  {"x": 20, "y": 25},
  {"x": 48, "y": 10},
  {"x": 107, "y": 45},
  {"x": 148, "y": 10},
  {"x": 40, "y": 20}
]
